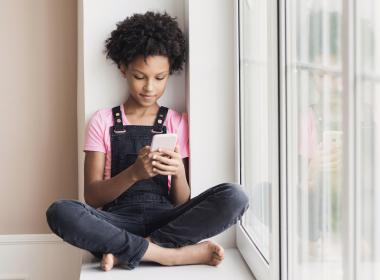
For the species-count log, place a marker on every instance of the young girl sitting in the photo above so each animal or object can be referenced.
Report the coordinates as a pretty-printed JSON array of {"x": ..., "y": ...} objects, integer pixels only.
[{"x": 138, "y": 205}]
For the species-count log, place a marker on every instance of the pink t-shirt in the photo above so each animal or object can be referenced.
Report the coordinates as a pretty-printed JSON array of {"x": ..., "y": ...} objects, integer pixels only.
[
  {"x": 97, "y": 136},
  {"x": 307, "y": 145}
]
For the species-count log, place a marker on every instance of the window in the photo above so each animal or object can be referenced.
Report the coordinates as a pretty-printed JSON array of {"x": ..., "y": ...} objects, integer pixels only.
[
  {"x": 259, "y": 133},
  {"x": 311, "y": 86},
  {"x": 367, "y": 146},
  {"x": 315, "y": 145}
]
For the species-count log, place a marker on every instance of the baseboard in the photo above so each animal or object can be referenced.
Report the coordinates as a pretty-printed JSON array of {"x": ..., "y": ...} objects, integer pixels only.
[
  {"x": 15, "y": 277},
  {"x": 18, "y": 239},
  {"x": 38, "y": 256}
]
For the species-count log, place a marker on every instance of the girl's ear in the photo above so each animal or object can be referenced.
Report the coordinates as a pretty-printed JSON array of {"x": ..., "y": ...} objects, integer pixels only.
[{"x": 123, "y": 70}]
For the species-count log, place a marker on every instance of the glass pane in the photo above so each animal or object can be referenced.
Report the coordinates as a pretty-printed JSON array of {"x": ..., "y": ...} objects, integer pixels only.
[
  {"x": 368, "y": 137},
  {"x": 257, "y": 119},
  {"x": 315, "y": 139}
]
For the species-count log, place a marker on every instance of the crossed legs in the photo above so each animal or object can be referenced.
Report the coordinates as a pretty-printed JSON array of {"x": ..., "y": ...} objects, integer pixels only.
[{"x": 224, "y": 205}]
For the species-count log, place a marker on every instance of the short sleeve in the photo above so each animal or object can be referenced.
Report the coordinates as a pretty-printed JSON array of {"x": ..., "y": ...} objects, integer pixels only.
[
  {"x": 94, "y": 137},
  {"x": 183, "y": 135},
  {"x": 307, "y": 135}
]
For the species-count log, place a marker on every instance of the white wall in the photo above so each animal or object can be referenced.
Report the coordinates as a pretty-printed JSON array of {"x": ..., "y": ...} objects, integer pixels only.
[
  {"x": 205, "y": 88},
  {"x": 210, "y": 88},
  {"x": 211, "y": 93}
]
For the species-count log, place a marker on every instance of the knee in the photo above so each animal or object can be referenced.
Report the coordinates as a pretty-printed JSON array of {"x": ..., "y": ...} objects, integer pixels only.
[
  {"x": 58, "y": 212},
  {"x": 234, "y": 197}
]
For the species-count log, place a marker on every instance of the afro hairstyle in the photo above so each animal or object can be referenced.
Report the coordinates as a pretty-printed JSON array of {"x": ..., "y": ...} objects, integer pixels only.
[{"x": 152, "y": 33}]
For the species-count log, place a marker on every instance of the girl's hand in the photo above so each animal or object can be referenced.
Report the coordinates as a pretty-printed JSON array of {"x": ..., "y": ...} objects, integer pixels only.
[
  {"x": 168, "y": 162},
  {"x": 142, "y": 167},
  {"x": 325, "y": 159}
]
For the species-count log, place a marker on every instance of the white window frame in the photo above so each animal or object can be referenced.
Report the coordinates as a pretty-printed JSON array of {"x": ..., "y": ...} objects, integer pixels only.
[{"x": 257, "y": 263}]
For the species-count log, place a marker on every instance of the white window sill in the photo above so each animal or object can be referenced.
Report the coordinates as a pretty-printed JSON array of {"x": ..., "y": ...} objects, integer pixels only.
[{"x": 232, "y": 267}]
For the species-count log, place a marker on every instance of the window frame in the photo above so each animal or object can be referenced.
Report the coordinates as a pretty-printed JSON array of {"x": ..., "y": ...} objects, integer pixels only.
[{"x": 250, "y": 252}]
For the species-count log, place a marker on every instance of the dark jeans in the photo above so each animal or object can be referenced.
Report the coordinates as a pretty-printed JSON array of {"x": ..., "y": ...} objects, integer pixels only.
[{"x": 121, "y": 229}]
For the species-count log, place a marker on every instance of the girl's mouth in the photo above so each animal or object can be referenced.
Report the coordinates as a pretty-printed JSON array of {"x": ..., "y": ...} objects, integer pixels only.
[{"x": 145, "y": 96}]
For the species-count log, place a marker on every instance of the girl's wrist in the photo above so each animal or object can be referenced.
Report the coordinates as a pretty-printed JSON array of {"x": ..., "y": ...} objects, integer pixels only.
[
  {"x": 180, "y": 172},
  {"x": 134, "y": 173}
]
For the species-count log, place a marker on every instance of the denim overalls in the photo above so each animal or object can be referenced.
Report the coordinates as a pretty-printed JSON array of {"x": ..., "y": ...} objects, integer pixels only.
[{"x": 145, "y": 208}]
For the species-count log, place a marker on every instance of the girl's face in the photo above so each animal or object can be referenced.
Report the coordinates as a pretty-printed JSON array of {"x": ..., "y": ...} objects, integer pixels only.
[{"x": 146, "y": 81}]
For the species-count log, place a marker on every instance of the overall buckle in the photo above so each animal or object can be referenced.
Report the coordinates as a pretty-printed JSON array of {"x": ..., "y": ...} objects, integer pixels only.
[{"x": 119, "y": 131}]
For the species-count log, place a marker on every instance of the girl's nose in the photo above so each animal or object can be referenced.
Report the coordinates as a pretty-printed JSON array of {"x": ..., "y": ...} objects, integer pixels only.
[{"x": 148, "y": 87}]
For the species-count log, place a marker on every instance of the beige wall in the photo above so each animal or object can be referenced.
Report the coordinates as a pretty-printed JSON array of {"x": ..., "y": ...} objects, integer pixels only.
[{"x": 38, "y": 153}]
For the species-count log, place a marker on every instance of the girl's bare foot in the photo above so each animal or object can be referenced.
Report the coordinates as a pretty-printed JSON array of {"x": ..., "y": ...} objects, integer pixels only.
[
  {"x": 206, "y": 252},
  {"x": 108, "y": 261}
]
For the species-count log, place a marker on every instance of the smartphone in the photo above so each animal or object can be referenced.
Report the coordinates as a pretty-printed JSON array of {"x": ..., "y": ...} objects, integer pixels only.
[
  {"x": 165, "y": 141},
  {"x": 332, "y": 137}
]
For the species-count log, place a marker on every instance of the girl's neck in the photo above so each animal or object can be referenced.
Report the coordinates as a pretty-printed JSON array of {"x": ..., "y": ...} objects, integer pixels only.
[{"x": 133, "y": 108}]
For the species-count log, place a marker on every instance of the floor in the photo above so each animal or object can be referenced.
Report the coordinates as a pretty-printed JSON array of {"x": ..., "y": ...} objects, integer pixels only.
[{"x": 232, "y": 267}]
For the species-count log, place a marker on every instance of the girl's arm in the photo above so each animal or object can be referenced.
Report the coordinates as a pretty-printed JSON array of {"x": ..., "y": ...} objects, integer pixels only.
[
  {"x": 98, "y": 192},
  {"x": 180, "y": 190},
  {"x": 171, "y": 163}
]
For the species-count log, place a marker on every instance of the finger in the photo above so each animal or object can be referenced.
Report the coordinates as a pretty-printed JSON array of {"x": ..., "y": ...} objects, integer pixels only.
[
  {"x": 153, "y": 155},
  {"x": 144, "y": 150},
  {"x": 162, "y": 172},
  {"x": 154, "y": 171},
  {"x": 165, "y": 160},
  {"x": 332, "y": 166},
  {"x": 146, "y": 156},
  {"x": 331, "y": 157},
  {"x": 163, "y": 167},
  {"x": 177, "y": 150},
  {"x": 169, "y": 153}
]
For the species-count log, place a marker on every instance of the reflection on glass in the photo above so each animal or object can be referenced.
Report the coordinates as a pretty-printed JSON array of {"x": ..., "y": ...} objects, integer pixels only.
[
  {"x": 368, "y": 138},
  {"x": 256, "y": 121},
  {"x": 314, "y": 73}
]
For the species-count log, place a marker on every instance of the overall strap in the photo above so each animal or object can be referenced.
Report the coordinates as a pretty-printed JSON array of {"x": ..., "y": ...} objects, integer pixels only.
[
  {"x": 117, "y": 120},
  {"x": 160, "y": 119}
]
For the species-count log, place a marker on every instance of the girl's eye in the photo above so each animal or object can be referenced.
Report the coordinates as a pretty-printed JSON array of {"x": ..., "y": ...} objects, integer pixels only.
[
  {"x": 138, "y": 78},
  {"x": 160, "y": 78}
]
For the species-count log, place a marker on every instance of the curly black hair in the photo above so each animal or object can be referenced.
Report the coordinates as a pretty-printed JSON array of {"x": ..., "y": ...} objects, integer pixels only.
[{"x": 152, "y": 33}]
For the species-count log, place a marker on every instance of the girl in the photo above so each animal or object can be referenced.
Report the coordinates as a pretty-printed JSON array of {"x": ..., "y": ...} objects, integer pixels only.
[{"x": 138, "y": 205}]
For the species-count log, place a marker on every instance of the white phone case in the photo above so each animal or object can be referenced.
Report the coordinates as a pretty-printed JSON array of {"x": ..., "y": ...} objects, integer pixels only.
[
  {"x": 164, "y": 141},
  {"x": 332, "y": 137}
]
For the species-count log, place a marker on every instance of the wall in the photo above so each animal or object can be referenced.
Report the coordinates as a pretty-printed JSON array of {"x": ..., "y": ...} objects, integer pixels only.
[
  {"x": 38, "y": 158},
  {"x": 211, "y": 93},
  {"x": 38, "y": 110}
]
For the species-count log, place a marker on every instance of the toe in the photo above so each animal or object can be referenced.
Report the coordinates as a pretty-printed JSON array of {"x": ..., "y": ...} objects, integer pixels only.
[
  {"x": 107, "y": 262},
  {"x": 222, "y": 252},
  {"x": 219, "y": 250}
]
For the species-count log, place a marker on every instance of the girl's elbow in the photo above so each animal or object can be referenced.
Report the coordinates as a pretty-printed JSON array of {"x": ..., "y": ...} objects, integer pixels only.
[{"x": 88, "y": 199}]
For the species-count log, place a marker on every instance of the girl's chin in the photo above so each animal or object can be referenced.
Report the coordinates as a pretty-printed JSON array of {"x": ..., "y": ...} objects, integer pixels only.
[
  {"x": 147, "y": 100},
  {"x": 147, "y": 103}
]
